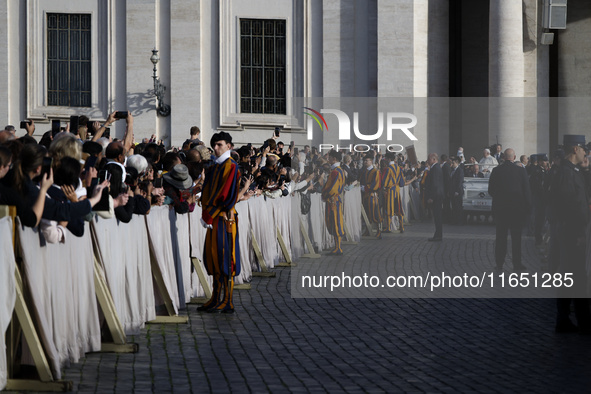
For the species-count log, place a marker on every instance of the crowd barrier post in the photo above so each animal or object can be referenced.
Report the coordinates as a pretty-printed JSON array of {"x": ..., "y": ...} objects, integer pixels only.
[
  {"x": 257, "y": 251},
  {"x": 105, "y": 300},
  {"x": 202, "y": 275},
  {"x": 25, "y": 323},
  {"x": 351, "y": 240},
  {"x": 288, "y": 261},
  {"x": 367, "y": 222},
  {"x": 312, "y": 254},
  {"x": 172, "y": 317}
]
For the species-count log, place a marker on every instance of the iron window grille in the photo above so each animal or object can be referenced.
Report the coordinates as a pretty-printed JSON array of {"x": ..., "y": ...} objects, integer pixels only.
[
  {"x": 68, "y": 60},
  {"x": 262, "y": 66}
]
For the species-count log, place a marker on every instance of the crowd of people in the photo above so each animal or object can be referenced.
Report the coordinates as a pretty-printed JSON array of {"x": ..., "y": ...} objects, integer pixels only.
[{"x": 71, "y": 175}]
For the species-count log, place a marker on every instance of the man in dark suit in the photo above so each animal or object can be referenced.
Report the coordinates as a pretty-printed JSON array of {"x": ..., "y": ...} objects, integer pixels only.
[
  {"x": 434, "y": 194},
  {"x": 509, "y": 188},
  {"x": 475, "y": 171},
  {"x": 456, "y": 191},
  {"x": 446, "y": 171},
  {"x": 570, "y": 217}
]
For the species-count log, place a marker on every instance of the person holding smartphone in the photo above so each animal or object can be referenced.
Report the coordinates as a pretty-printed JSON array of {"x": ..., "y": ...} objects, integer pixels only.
[{"x": 29, "y": 170}]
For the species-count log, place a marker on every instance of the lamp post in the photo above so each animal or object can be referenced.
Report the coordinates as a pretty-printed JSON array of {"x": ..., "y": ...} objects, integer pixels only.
[{"x": 159, "y": 89}]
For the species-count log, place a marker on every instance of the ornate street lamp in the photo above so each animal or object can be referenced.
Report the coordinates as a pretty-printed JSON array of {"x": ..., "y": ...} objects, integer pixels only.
[{"x": 159, "y": 89}]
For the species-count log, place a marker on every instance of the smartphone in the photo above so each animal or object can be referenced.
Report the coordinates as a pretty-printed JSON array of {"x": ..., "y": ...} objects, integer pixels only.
[
  {"x": 55, "y": 126},
  {"x": 46, "y": 166},
  {"x": 25, "y": 123},
  {"x": 107, "y": 133},
  {"x": 157, "y": 183},
  {"x": 74, "y": 122},
  {"x": 104, "y": 175},
  {"x": 121, "y": 114},
  {"x": 90, "y": 162},
  {"x": 277, "y": 131}
]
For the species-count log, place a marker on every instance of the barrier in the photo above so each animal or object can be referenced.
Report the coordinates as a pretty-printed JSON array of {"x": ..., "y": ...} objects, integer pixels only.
[
  {"x": 263, "y": 230},
  {"x": 7, "y": 291},
  {"x": 351, "y": 210},
  {"x": 115, "y": 262},
  {"x": 123, "y": 251},
  {"x": 60, "y": 279},
  {"x": 158, "y": 223}
]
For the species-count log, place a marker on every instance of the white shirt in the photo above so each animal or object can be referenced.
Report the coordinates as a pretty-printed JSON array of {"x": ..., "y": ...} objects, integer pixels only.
[{"x": 335, "y": 165}]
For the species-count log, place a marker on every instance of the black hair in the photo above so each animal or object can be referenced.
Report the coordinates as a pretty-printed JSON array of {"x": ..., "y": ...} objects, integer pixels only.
[
  {"x": 67, "y": 172},
  {"x": 336, "y": 154},
  {"x": 114, "y": 150},
  {"x": 168, "y": 160}
]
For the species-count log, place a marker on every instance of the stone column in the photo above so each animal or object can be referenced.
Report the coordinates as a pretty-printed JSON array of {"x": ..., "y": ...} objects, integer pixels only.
[{"x": 506, "y": 74}]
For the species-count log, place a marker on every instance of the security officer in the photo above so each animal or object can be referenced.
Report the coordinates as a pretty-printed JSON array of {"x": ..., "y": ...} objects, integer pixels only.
[
  {"x": 537, "y": 177},
  {"x": 570, "y": 212}
]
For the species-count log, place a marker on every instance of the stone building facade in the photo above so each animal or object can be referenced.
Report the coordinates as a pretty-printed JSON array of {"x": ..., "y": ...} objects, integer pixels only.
[{"x": 331, "y": 48}]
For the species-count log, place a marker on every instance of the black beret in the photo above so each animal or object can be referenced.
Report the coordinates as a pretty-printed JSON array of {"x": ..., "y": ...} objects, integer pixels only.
[{"x": 221, "y": 136}]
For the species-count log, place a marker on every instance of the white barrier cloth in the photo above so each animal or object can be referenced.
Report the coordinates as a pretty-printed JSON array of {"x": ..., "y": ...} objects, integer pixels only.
[{"x": 7, "y": 291}]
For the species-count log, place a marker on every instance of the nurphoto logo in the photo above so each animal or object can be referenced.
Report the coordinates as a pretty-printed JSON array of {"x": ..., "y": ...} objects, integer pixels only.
[{"x": 395, "y": 122}]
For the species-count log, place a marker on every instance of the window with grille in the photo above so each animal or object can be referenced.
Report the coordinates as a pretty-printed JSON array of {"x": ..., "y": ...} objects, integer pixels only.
[
  {"x": 262, "y": 66},
  {"x": 68, "y": 60}
]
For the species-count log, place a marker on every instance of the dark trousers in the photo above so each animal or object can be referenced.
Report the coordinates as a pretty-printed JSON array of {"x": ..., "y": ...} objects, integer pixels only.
[
  {"x": 447, "y": 211},
  {"x": 539, "y": 218},
  {"x": 437, "y": 217},
  {"x": 504, "y": 225},
  {"x": 572, "y": 260},
  {"x": 457, "y": 209}
]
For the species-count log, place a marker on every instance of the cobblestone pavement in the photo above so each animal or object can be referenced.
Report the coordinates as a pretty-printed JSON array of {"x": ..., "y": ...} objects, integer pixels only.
[{"x": 275, "y": 343}]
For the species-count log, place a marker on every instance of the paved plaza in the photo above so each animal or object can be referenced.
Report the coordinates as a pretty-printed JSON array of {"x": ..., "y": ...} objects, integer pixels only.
[{"x": 275, "y": 343}]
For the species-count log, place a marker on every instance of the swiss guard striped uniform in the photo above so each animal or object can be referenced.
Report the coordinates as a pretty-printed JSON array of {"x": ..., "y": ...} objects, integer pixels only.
[
  {"x": 370, "y": 181},
  {"x": 333, "y": 214},
  {"x": 221, "y": 255},
  {"x": 392, "y": 181}
]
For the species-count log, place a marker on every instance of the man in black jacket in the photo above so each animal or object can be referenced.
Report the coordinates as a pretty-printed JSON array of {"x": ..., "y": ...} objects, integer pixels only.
[
  {"x": 456, "y": 191},
  {"x": 446, "y": 171},
  {"x": 434, "y": 194},
  {"x": 509, "y": 188},
  {"x": 570, "y": 216}
]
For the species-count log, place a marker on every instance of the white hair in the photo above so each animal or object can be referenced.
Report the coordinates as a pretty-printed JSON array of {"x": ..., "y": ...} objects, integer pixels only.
[
  {"x": 138, "y": 162},
  {"x": 487, "y": 150}
]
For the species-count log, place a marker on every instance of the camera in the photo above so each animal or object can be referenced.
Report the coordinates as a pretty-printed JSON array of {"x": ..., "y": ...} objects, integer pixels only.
[
  {"x": 25, "y": 123},
  {"x": 46, "y": 166},
  {"x": 121, "y": 114},
  {"x": 74, "y": 123},
  {"x": 55, "y": 126}
]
